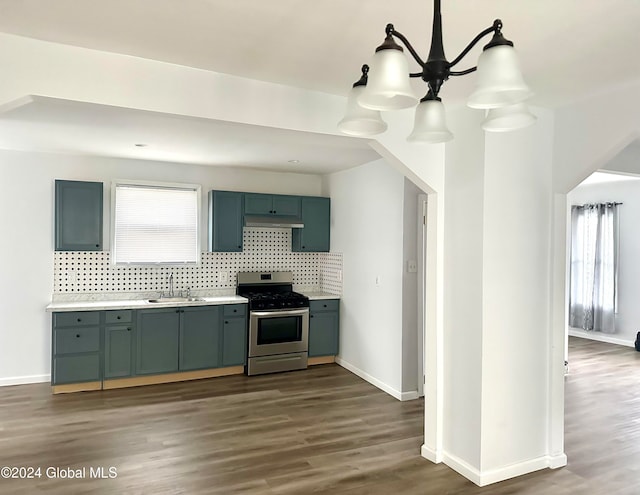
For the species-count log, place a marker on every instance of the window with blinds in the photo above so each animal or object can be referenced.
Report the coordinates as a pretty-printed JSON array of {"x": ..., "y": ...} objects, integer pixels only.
[{"x": 155, "y": 224}]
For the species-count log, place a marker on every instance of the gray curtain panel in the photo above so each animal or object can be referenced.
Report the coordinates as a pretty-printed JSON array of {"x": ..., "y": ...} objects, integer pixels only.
[{"x": 594, "y": 267}]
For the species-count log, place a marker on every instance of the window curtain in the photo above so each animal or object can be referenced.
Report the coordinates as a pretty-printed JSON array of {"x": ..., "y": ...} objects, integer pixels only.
[{"x": 594, "y": 267}]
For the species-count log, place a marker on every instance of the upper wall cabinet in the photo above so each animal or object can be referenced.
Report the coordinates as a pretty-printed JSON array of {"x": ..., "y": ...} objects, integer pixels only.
[
  {"x": 316, "y": 216},
  {"x": 78, "y": 216},
  {"x": 225, "y": 221},
  {"x": 271, "y": 204}
]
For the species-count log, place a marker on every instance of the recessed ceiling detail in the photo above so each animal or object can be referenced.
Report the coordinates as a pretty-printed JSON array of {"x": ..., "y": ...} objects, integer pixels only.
[{"x": 38, "y": 123}]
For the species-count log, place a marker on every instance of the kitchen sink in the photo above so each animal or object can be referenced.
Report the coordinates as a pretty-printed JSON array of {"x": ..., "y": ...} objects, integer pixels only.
[{"x": 175, "y": 299}]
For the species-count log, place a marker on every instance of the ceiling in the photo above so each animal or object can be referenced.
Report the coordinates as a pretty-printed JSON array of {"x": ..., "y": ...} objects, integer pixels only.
[
  {"x": 563, "y": 45},
  {"x": 55, "y": 125}
]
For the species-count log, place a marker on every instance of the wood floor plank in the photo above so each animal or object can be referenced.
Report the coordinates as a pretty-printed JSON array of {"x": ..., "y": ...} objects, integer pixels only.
[{"x": 322, "y": 430}]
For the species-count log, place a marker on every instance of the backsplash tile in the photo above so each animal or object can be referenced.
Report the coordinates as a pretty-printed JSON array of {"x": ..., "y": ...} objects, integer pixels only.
[{"x": 264, "y": 250}]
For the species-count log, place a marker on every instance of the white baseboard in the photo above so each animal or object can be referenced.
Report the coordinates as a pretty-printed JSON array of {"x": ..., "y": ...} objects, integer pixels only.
[
  {"x": 374, "y": 381},
  {"x": 484, "y": 478},
  {"x": 430, "y": 454},
  {"x": 600, "y": 337},
  {"x": 557, "y": 461},
  {"x": 24, "y": 380}
]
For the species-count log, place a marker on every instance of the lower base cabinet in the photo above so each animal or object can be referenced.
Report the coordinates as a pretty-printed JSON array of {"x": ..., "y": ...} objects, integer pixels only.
[
  {"x": 92, "y": 346},
  {"x": 200, "y": 338},
  {"x": 118, "y": 349},
  {"x": 324, "y": 327}
]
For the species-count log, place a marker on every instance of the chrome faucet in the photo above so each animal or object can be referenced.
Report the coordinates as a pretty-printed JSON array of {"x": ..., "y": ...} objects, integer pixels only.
[{"x": 171, "y": 285}]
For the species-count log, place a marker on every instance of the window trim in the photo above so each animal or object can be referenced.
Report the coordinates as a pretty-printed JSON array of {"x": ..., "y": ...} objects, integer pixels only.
[{"x": 160, "y": 185}]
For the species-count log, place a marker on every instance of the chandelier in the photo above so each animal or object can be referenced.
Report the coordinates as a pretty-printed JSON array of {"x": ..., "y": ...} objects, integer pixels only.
[{"x": 500, "y": 87}]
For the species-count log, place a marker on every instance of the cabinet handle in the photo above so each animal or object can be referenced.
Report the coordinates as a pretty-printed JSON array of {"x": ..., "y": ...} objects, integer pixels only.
[
  {"x": 97, "y": 245},
  {"x": 235, "y": 310},
  {"x": 117, "y": 317},
  {"x": 274, "y": 212},
  {"x": 77, "y": 336},
  {"x": 310, "y": 316},
  {"x": 79, "y": 320},
  {"x": 128, "y": 329},
  {"x": 325, "y": 305},
  {"x": 303, "y": 247},
  {"x": 239, "y": 247}
]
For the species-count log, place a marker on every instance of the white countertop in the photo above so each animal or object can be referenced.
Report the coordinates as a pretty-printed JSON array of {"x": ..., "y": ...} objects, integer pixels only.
[
  {"x": 315, "y": 296},
  {"x": 96, "y": 303},
  {"x": 139, "y": 304}
]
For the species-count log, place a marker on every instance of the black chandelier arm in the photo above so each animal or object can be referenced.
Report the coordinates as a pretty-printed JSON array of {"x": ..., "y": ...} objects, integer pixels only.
[
  {"x": 406, "y": 43},
  {"x": 497, "y": 24},
  {"x": 463, "y": 72},
  {"x": 415, "y": 74}
]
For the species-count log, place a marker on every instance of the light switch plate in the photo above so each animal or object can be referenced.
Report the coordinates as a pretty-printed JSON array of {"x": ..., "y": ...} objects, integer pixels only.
[{"x": 223, "y": 277}]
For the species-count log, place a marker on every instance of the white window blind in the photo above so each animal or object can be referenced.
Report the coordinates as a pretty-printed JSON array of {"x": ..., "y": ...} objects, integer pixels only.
[{"x": 155, "y": 224}]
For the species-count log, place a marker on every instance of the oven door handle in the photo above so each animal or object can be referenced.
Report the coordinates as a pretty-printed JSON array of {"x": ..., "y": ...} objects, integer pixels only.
[{"x": 273, "y": 314}]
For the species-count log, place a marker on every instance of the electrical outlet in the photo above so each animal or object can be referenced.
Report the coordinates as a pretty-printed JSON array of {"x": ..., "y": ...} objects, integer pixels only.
[
  {"x": 412, "y": 266},
  {"x": 339, "y": 275},
  {"x": 378, "y": 280},
  {"x": 223, "y": 277}
]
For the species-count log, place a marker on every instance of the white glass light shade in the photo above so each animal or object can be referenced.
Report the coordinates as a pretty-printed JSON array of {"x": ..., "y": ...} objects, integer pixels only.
[
  {"x": 508, "y": 118},
  {"x": 359, "y": 121},
  {"x": 500, "y": 81},
  {"x": 430, "y": 124},
  {"x": 388, "y": 86}
]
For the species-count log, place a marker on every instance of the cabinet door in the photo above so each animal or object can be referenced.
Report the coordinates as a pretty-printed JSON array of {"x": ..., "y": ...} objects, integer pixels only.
[
  {"x": 258, "y": 204},
  {"x": 118, "y": 342},
  {"x": 225, "y": 221},
  {"x": 76, "y": 368},
  {"x": 234, "y": 342},
  {"x": 286, "y": 205},
  {"x": 78, "y": 216},
  {"x": 316, "y": 216},
  {"x": 157, "y": 336},
  {"x": 323, "y": 333},
  {"x": 200, "y": 338}
]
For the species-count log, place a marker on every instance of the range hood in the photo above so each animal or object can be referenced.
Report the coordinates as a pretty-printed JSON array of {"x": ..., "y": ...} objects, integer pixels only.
[{"x": 273, "y": 222}]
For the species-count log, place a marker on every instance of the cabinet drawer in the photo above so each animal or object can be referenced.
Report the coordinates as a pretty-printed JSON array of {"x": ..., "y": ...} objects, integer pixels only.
[
  {"x": 73, "y": 369},
  {"x": 76, "y": 319},
  {"x": 70, "y": 340},
  {"x": 324, "y": 305},
  {"x": 121, "y": 316},
  {"x": 235, "y": 310}
]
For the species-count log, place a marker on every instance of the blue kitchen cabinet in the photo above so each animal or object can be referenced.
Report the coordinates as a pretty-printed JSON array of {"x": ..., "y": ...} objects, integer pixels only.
[
  {"x": 118, "y": 343},
  {"x": 76, "y": 351},
  {"x": 271, "y": 204},
  {"x": 324, "y": 327},
  {"x": 200, "y": 337},
  {"x": 234, "y": 335},
  {"x": 118, "y": 349},
  {"x": 157, "y": 341},
  {"x": 78, "y": 215},
  {"x": 316, "y": 217},
  {"x": 225, "y": 221}
]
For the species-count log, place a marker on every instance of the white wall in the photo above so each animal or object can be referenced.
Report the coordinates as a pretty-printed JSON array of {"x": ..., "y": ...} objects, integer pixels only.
[
  {"x": 497, "y": 299},
  {"x": 367, "y": 223},
  {"x": 464, "y": 184},
  {"x": 628, "y": 193},
  {"x": 26, "y": 246},
  {"x": 516, "y": 296}
]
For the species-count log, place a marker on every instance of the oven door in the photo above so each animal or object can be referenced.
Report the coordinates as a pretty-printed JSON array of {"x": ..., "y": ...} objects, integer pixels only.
[{"x": 278, "y": 332}]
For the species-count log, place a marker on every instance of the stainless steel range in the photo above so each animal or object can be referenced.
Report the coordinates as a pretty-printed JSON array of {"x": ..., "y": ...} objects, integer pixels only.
[{"x": 278, "y": 322}]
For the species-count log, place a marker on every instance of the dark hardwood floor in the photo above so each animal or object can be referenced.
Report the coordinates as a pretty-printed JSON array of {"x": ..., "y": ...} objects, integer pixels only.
[{"x": 322, "y": 430}]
